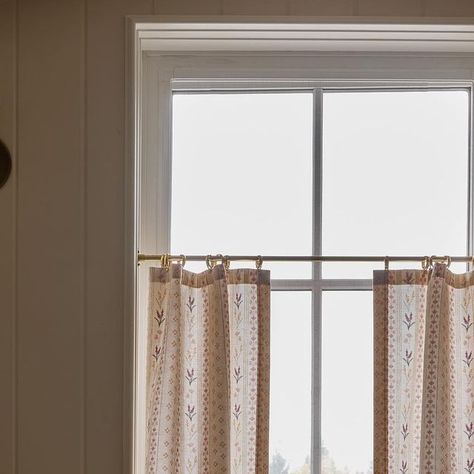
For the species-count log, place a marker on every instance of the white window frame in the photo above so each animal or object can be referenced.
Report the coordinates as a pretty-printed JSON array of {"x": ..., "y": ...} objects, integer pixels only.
[{"x": 167, "y": 54}]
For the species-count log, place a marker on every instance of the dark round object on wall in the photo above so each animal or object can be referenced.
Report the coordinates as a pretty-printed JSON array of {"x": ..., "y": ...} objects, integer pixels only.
[{"x": 5, "y": 164}]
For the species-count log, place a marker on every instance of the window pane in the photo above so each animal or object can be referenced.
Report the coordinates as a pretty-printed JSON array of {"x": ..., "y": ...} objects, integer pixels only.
[
  {"x": 242, "y": 176},
  {"x": 347, "y": 382},
  {"x": 395, "y": 176},
  {"x": 290, "y": 379}
]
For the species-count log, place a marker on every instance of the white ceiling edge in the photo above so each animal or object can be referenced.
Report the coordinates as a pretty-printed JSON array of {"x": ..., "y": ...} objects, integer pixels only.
[{"x": 288, "y": 34}]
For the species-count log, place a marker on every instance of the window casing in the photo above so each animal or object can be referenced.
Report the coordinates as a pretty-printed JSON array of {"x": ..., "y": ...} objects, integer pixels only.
[{"x": 165, "y": 73}]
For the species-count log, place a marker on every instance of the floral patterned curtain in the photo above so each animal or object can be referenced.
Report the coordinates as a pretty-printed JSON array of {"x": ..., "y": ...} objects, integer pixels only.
[
  {"x": 208, "y": 371},
  {"x": 424, "y": 372}
]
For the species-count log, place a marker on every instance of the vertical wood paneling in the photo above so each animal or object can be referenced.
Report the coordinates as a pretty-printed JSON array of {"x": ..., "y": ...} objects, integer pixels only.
[
  {"x": 105, "y": 197},
  {"x": 7, "y": 239},
  {"x": 251, "y": 7},
  {"x": 189, "y": 7},
  {"x": 451, "y": 8},
  {"x": 63, "y": 218},
  {"x": 323, "y": 7},
  {"x": 390, "y": 8},
  {"x": 50, "y": 262}
]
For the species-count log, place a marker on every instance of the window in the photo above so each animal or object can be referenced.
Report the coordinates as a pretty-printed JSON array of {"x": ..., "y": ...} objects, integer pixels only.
[
  {"x": 393, "y": 165},
  {"x": 332, "y": 159}
]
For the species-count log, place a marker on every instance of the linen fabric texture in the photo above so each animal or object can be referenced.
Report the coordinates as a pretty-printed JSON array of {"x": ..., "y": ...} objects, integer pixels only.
[
  {"x": 208, "y": 371},
  {"x": 424, "y": 371}
]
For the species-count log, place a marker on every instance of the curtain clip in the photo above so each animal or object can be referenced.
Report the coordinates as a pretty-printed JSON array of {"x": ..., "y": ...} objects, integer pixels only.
[
  {"x": 426, "y": 263},
  {"x": 386, "y": 263},
  {"x": 444, "y": 260},
  {"x": 165, "y": 261},
  {"x": 211, "y": 262},
  {"x": 259, "y": 262}
]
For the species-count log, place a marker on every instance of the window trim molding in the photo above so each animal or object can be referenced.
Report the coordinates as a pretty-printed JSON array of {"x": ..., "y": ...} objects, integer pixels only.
[
  {"x": 164, "y": 33},
  {"x": 172, "y": 38}
]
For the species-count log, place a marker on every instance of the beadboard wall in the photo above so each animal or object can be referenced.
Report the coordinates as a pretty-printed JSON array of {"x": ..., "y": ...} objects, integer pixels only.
[{"x": 62, "y": 100}]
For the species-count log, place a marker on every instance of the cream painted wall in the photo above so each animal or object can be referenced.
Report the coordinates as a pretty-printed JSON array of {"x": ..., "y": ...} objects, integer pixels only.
[
  {"x": 62, "y": 217},
  {"x": 61, "y": 235}
]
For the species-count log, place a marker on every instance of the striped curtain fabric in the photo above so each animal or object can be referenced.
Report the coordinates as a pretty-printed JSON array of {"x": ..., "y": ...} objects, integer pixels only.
[
  {"x": 424, "y": 372},
  {"x": 208, "y": 371}
]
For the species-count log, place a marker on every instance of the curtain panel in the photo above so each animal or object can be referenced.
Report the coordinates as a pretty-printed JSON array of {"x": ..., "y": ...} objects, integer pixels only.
[
  {"x": 208, "y": 371},
  {"x": 423, "y": 372}
]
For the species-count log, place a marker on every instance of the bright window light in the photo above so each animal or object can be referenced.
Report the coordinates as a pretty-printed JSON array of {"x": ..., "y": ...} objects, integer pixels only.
[{"x": 395, "y": 167}]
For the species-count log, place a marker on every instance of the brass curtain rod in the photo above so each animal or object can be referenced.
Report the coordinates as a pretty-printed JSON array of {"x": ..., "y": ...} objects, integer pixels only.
[
  {"x": 308, "y": 258},
  {"x": 425, "y": 260}
]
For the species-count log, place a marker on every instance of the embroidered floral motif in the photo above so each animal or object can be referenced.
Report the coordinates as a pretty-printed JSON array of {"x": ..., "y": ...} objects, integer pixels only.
[
  {"x": 237, "y": 374},
  {"x": 191, "y": 412},
  {"x": 467, "y": 358},
  {"x": 236, "y": 411},
  {"x": 190, "y": 376},
  {"x": 160, "y": 317},
  {"x": 408, "y": 321},
  {"x": 190, "y": 304},
  {"x": 156, "y": 352},
  {"x": 469, "y": 430},
  {"x": 238, "y": 300},
  {"x": 467, "y": 323},
  {"x": 408, "y": 357},
  {"x": 409, "y": 278}
]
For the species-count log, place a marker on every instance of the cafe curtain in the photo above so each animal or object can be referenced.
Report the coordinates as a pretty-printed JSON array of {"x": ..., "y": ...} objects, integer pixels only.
[
  {"x": 208, "y": 371},
  {"x": 424, "y": 372}
]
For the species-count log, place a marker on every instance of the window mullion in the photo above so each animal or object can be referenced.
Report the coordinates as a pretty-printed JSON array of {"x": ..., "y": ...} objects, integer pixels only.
[{"x": 316, "y": 293}]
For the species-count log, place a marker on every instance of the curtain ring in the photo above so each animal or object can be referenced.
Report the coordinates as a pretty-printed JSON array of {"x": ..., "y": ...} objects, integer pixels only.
[
  {"x": 426, "y": 262},
  {"x": 386, "y": 262},
  {"x": 183, "y": 260},
  {"x": 448, "y": 260},
  {"x": 226, "y": 262},
  {"x": 165, "y": 261},
  {"x": 258, "y": 262}
]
